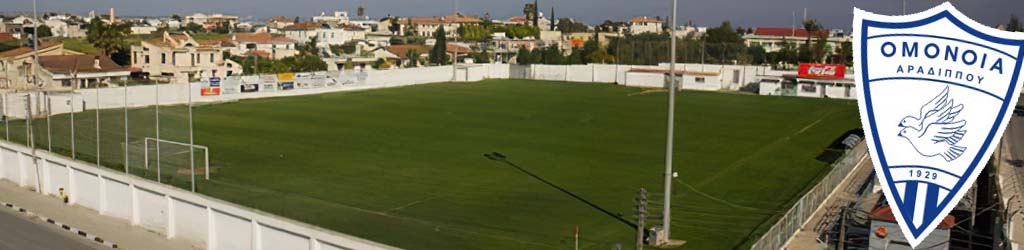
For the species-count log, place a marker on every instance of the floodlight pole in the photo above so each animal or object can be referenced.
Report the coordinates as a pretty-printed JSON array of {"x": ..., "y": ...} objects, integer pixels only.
[
  {"x": 49, "y": 135},
  {"x": 97, "y": 89},
  {"x": 667, "y": 219},
  {"x": 126, "y": 127},
  {"x": 191, "y": 141},
  {"x": 156, "y": 86}
]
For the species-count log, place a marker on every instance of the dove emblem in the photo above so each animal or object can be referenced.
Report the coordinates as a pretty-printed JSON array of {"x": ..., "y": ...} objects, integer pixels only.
[
  {"x": 936, "y": 91},
  {"x": 936, "y": 131}
]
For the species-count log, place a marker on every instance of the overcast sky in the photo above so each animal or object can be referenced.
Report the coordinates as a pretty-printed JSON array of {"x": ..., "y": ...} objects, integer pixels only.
[{"x": 746, "y": 13}]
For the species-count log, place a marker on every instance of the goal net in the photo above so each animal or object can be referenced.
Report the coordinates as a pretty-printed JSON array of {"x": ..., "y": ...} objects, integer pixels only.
[{"x": 169, "y": 161}]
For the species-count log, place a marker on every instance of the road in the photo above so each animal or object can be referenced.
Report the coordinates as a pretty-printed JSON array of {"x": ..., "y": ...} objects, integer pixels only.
[{"x": 19, "y": 232}]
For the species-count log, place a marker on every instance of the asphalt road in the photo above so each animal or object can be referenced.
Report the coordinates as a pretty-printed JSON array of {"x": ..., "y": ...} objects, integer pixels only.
[{"x": 18, "y": 232}]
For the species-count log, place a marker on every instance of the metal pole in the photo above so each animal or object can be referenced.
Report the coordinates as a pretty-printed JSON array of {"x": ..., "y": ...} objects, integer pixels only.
[
  {"x": 49, "y": 135},
  {"x": 75, "y": 81},
  {"x": 158, "y": 173},
  {"x": 97, "y": 89},
  {"x": 126, "y": 127},
  {"x": 7, "y": 125},
  {"x": 191, "y": 140},
  {"x": 904, "y": 7},
  {"x": 32, "y": 144},
  {"x": 667, "y": 220}
]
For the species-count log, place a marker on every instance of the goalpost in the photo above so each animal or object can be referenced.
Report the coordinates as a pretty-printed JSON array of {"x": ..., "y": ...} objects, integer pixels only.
[{"x": 185, "y": 146}]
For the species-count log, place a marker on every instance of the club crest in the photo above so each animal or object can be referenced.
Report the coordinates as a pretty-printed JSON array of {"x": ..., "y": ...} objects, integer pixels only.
[{"x": 935, "y": 90}]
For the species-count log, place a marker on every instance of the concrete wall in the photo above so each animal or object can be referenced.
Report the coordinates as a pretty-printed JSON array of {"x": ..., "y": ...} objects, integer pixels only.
[{"x": 206, "y": 222}]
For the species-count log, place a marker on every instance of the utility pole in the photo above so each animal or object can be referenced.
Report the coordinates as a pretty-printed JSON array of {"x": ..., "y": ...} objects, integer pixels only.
[{"x": 641, "y": 216}]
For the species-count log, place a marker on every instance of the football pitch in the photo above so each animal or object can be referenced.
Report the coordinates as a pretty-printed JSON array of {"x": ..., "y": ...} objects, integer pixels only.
[{"x": 405, "y": 166}]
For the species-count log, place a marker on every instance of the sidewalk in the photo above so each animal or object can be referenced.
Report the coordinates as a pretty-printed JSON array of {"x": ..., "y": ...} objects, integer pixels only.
[
  {"x": 807, "y": 237},
  {"x": 118, "y": 231}
]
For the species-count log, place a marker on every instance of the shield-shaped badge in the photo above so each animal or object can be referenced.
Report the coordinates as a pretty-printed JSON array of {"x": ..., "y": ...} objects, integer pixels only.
[{"x": 936, "y": 91}]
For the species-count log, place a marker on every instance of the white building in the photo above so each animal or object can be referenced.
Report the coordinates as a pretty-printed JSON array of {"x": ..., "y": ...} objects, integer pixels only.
[
  {"x": 339, "y": 17},
  {"x": 180, "y": 58},
  {"x": 774, "y": 39},
  {"x": 325, "y": 34},
  {"x": 263, "y": 44},
  {"x": 426, "y": 26},
  {"x": 643, "y": 24}
]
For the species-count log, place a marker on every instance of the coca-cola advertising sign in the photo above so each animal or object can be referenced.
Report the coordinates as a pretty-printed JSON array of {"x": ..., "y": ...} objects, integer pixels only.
[{"x": 819, "y": 70}]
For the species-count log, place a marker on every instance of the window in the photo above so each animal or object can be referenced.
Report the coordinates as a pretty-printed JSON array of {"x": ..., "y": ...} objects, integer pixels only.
[
  {"x": 699, "y": 79},
  {"x": 193, "y": 56},
  {"x": 147, "y": 59},
  {"x": 163, "y": 58},
  {"x": 211, "y": 57}
]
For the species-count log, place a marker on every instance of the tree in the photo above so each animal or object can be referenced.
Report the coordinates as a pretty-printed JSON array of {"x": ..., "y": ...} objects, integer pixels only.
[
  {"x": 193, "y": 28},
  {"x": 109, "y": 38},
  {"x": 176, "y": 17},
  {"x": 530, "y": 13},
  {"x": 44, "y": 31},
  {"x": 296, "y": 19},
  {"x": 309, "y": 48},
  {"x": 360, "y": 11},
  {"x": 812, "y": 25},
  {"x": 381, "y": 64},
  {"x": 1014, "y": 24},
  {"x": 524, "y": 56},
  {"x": 412, "y": 58},
  {"x": 439, "y": 54},
  {"x": 566, "y": 25},
  {"x": 600, "y": 56}
]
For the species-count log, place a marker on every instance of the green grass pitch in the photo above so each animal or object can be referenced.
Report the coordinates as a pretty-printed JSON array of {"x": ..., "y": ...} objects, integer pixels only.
[{"x": 405, "y": 166}]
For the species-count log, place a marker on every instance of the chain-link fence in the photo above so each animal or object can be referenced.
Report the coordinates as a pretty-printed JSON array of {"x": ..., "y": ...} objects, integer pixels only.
[
  {"x": 124, "y": 129},
  {"x": 777, "y": 236}
]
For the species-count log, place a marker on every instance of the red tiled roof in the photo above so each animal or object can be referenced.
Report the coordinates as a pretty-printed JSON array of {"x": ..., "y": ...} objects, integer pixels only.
[
  {"x": 6, "y": 36},
  {"x": 885, "y": 214},
  {"x": 262, "y": 38},
  {"x": 789, "y": 32},
  {"x": 644, "y": 19},
  {"x": 24, "y": 50},
  {"x": 83, "y": 63},
  {"x": 452, "y": 48},
  {"x": 302, "y": 26},
  {"x": 401, "y": 50},
  {"x": 445, "y": 19}
]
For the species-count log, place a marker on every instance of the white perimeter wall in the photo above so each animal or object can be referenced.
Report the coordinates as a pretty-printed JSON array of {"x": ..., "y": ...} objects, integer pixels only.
[{"x": 206, "y": 222}]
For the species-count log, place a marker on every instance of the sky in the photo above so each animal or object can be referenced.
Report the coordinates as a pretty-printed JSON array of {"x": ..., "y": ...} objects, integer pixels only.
[{"x": 745, "y": 13}]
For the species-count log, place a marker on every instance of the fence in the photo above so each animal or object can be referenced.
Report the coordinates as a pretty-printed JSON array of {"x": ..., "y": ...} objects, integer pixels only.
[
  {"x": 779, "y": 234},
  {"x": 206, "y": 222}
]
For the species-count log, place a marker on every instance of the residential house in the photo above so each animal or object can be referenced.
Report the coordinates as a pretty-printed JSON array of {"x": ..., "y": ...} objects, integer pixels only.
[
  {"x": 80, "y": 71},
  {"x": 426, "y": 26},
  {"x": 543, "y": 22},
  {"x": 643, "y": 24},
  {"x": 325, "y": 34},
  {"x": 774, "y": 39},
  {"x": 212, "y": 21},
  {"x": 143, "y": 29},
  {"x": 279, "y": 22},
  {"x": 339, "y": 17},
  {"x": 180, "y": 58},
  {"x": 16, "y": 65},
  {"x": 337, "y": 35},
  {"x": 270, "y": 45},
  {"x": 402, "y": 51}
]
